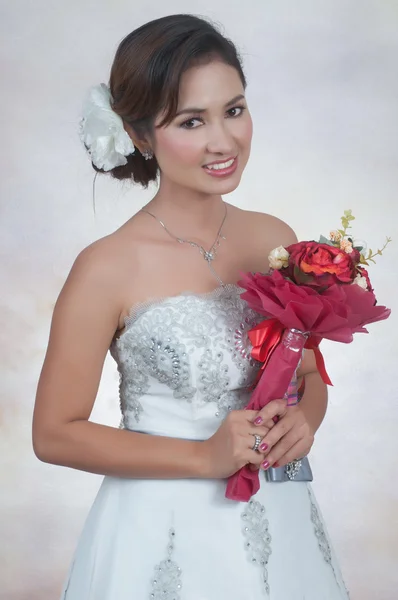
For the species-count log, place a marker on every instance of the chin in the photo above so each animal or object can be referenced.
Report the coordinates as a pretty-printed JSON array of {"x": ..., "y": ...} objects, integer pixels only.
[{"x": 223, "y": 186}]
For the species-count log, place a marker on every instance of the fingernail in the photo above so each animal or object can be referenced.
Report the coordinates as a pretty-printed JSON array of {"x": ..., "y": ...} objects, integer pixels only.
[
  {"x": 263, "y": 447},
  {"x": 265, "y": 464},
  {"x": 276, "y": 465},
  {"x": 258, "y": 421}
]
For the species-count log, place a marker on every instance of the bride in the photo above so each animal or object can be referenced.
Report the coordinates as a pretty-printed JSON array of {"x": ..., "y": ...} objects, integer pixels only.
[{"x": 161, "y": 294}]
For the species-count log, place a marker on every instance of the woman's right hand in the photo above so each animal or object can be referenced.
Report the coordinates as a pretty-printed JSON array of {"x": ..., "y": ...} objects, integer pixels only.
[{"x": 231, "y": 447}]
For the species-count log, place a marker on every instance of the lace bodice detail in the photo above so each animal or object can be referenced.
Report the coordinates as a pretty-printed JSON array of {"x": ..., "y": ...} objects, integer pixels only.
[{"x": 184, "y": 362}]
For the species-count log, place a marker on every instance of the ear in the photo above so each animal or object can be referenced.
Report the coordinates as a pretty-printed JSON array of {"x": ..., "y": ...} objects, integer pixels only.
[{"x": 141, "y": 143}]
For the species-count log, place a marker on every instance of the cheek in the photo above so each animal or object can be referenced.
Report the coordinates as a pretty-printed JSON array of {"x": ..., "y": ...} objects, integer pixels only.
[
  {"x": 246, "y": 131},
  {"x": 179, "y": 147}
]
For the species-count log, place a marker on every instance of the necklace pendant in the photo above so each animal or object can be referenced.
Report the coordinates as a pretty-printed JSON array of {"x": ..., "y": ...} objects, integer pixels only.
[{"x": 209, "y": 256}]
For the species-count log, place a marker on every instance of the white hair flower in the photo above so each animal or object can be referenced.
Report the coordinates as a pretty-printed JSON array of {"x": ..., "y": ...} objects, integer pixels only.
[
  {"x": 278, "y": 258},
  {"x": 101, "y": 131}
]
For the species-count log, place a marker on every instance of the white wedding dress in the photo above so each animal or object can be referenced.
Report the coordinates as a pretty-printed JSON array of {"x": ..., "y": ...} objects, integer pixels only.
[{"x": 184, "y": 362}]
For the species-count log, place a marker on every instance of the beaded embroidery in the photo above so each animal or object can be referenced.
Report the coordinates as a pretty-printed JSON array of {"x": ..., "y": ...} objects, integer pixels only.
[
  {"x": 258, "y": 538},
  {"x": 166, "y": 584},
  {"x": 292, "y": 469},
  {"x": 320, "y": 533},
  {"x": 161, "y": 338}
]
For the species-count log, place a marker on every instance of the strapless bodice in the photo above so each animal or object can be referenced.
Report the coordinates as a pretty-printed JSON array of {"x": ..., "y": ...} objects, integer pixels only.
[{"x": 184, "y": 362}]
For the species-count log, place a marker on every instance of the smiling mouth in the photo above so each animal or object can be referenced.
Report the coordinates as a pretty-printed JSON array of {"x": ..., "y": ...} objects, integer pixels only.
[{"x": 221, "y": 165}]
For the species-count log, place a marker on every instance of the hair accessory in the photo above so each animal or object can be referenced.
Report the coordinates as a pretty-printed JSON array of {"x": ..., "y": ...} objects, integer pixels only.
[
  {"x": 101, "y": 130},
  {"x": 147, "y": 154}
]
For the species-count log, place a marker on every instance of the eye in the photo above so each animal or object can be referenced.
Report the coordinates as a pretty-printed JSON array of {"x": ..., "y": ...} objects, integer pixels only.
[
  {"x": 191, "y": 123},
  {"x": 236, "y": 111}
]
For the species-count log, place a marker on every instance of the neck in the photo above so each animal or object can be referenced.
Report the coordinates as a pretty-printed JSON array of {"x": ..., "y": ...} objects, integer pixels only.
[{"x": 186, "y": 212}]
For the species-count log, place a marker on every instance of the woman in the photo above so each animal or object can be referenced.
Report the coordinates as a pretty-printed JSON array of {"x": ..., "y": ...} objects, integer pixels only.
[{"x": 161, "y": 294}]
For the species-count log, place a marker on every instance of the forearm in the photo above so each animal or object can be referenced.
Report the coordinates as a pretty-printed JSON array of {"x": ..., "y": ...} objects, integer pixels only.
[
  {"x": 315, "y": 400},
  {"x": 106, "y": 450}
]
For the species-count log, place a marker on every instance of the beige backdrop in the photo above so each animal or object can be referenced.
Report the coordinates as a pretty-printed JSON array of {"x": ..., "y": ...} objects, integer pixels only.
[{"x": 323, "y": 92}]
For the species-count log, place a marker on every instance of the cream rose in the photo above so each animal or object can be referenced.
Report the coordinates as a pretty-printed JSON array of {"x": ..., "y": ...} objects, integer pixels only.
[
  {"x": 278, "y": 258},
  {"x": 336, "y": 236}
]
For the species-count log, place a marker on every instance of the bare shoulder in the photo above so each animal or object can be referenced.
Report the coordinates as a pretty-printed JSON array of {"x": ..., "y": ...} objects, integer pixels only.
[
  {"x": 278, "y": 232},
  {"x": 267, "y": 229},
  {"x": 102, "y": 264},
  {"x": 95, "y": 264},
  {"x": 94, "y": 285},
  {"x": 256, "y": 234}
]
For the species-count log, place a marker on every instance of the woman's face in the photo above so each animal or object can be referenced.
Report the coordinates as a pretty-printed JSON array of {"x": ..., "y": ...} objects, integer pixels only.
[{"x": 207, "y": 145}]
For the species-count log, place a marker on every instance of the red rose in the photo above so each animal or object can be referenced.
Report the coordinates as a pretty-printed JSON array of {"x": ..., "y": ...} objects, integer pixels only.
[{"x": 320, "y": 265}]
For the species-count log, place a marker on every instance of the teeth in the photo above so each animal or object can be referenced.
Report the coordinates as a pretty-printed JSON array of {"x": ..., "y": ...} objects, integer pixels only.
[{"x": 219, "y": 166}]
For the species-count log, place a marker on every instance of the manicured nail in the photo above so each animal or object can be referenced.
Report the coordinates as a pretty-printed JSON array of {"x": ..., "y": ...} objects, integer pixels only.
[
  {"x": 265, "y": 464},
  {"x": 276, "y": 465},
  {"x": 263, "y": 447},
  {"x": 258, "y": 421}
]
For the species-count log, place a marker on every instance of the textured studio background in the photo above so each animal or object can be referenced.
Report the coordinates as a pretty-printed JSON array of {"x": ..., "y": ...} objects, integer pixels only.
[{"x": 323, "y": 92}]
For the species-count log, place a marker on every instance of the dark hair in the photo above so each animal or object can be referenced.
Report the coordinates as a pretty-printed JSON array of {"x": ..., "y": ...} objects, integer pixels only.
[{"x": 146, "y": 73}]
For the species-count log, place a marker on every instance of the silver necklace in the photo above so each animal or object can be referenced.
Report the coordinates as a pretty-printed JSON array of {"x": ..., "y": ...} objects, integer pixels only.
[{"x": 208, "y": 255}]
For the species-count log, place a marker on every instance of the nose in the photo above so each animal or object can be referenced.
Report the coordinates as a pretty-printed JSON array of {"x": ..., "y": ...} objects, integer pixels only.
[{"x": 220, "y": 139}]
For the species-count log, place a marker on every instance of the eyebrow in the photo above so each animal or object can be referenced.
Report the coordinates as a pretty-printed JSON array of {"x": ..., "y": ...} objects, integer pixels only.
[{"x": 189, "y": 111}]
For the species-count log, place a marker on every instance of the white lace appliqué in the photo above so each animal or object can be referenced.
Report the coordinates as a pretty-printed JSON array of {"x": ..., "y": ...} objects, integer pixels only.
[
  {"x": 323, "y": 541},
  {"x": 166, "y": 584},
  {"x": 258, "y": 538}
]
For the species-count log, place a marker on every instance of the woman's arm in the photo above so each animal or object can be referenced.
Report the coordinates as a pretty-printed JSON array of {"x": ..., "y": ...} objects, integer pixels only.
[
  {"x": 315, "y": 398},
  {"x": 85, "y": 318}
]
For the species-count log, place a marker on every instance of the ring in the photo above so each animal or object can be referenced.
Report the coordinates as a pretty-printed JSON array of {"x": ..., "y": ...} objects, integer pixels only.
[{"x": 257, "y": 442}]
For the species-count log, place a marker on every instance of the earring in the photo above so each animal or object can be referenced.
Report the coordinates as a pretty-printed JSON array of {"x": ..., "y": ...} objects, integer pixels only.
[{"x": 147, "y": 154}]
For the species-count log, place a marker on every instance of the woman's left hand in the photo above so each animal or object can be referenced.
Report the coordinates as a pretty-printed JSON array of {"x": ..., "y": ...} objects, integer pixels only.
[{"x": 290, "y": 438}]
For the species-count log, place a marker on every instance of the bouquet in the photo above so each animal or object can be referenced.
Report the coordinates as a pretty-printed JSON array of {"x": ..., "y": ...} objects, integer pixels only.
[{"x": 313, "y": 291}]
